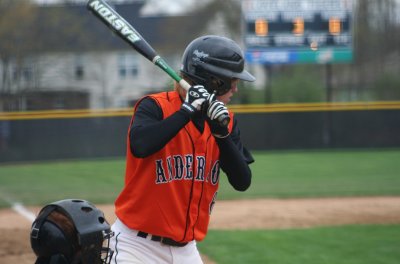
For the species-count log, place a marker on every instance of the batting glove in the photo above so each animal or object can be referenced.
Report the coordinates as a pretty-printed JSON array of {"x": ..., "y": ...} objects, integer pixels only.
[
  {"x": 195, "y": 97},
  {"x": 214, "y": 111},
  {"x": 215, "y": 108}
]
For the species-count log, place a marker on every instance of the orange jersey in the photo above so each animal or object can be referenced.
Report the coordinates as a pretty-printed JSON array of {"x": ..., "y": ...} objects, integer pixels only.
[{"x": 171, "y": 192}]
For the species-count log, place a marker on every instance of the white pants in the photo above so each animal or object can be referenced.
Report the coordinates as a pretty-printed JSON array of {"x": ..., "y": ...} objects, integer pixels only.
[{"x": 132, "y": 249}]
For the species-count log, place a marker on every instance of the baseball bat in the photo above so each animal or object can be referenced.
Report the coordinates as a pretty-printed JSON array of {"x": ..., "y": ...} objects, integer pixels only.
[{"x": 130, "y": 35}]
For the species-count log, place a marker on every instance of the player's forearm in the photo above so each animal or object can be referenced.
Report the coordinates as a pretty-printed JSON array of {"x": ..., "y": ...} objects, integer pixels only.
[
  {"x": 150, "y": 138},
  {"x": 234, "y": 165}
]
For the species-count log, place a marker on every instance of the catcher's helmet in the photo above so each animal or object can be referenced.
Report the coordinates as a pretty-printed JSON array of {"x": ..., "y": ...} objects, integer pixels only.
[
  {"x": 213, "y": 62},
  {"x": 77, "y": 238}
]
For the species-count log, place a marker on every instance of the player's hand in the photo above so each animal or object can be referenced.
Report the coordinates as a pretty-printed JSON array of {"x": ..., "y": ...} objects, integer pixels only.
[
  {"x": 195, "y": 97},
  {"x": 215, "y": 111}
]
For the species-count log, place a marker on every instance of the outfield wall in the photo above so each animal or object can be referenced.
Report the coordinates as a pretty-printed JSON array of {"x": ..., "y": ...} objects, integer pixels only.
[{"x": 75, "y": 134}]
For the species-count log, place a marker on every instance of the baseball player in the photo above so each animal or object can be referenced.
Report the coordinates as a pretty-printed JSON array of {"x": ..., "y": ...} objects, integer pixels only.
[
  {"x": 71, "y": 231},
  {"x": 175, "y": 149}
]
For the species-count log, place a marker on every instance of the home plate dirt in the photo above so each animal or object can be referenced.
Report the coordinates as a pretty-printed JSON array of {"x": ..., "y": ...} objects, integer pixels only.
[{"x": 238, "y": 214}]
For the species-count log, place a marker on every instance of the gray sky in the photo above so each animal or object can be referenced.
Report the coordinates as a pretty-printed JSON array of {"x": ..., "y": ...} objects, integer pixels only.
[
  {"x": 152, "y": 7},
  {"x": 166, "y": 7}
]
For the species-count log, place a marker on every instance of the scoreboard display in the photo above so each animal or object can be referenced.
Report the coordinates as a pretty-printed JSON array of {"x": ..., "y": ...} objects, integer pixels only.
[{"x": 298, "y": 31}]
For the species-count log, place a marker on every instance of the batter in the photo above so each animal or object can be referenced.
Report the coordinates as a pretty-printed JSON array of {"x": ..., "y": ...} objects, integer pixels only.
[{"x": 175, "y": 149}]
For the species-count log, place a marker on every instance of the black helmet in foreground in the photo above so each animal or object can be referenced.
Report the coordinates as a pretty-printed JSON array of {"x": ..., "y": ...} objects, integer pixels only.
[
  {"x": 213, "y": 62},
  {"x": 71, "y": 231}
]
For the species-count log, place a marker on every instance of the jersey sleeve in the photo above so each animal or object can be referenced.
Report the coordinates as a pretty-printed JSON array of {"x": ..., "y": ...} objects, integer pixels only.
[
  {"x": 235, "y": 159},
  {"x": 149, "y": 132},
  {"x": 235, "y": 135}
]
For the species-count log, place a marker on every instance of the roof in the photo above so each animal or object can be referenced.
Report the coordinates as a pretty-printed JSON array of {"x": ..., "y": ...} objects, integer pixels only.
[{"x": 73, "y": 27}]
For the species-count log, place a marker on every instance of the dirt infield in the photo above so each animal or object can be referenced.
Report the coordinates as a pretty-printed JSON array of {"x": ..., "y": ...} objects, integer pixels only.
[{"x": 242, "y": 214}]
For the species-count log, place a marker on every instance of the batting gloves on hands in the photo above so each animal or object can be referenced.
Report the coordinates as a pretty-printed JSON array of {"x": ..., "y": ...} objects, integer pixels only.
[
  {"x": 214, "y": 111},
  {"x": 195, "y": 97}
]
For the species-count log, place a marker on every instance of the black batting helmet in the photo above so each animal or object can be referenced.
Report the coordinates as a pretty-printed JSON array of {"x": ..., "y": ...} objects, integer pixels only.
[
  {"x": 213, "y": 62},
  {"x": 75, "y": 237}
]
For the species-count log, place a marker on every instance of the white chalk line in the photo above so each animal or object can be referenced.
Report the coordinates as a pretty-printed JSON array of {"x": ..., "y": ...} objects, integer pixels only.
[{"x": 20, "y": 209}]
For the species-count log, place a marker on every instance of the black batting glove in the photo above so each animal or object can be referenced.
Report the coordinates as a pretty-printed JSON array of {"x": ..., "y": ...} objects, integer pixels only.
[
  {"x": 195, "y": 97},
  {"x": 214, "y": 111}
]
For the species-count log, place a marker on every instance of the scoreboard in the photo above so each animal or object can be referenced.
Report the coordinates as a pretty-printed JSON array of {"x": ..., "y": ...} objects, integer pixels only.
[{"x": 298, "y": 31}]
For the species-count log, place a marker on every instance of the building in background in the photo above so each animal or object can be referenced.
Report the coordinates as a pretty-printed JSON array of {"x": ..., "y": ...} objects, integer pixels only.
[{"x": 75, "y": 62}]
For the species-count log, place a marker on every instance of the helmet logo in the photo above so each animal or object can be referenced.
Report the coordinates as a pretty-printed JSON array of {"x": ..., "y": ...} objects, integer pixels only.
[{"x": 198, "y": 55}]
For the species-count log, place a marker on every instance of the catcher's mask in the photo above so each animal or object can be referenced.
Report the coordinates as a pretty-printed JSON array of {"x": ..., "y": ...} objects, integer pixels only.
[
  {"x": 214, "y": 61},
  {"x": 88, "y": 243}
]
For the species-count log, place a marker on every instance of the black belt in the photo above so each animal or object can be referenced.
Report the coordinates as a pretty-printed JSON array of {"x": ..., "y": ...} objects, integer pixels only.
[{"x": 164, "y": 240}]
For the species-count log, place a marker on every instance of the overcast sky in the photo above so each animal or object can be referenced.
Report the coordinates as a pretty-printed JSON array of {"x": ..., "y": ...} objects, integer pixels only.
[
  {"x": 152, "y": 7},
  {"x": 166, "y": 7}
]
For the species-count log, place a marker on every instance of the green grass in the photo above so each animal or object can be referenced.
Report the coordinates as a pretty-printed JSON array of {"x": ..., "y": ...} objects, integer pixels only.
[
  {"x": 321, "y": 174},
  {"x": 98, "y": 181},
  {"x": 328, "y": 245},
  {"x": 275, "y": 174}
]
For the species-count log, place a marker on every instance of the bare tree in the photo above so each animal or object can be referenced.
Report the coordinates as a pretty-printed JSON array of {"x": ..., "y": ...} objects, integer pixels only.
[
  {"x": 17, "y": 39},
  {"x": 29, "y": 31},
  {"x": 377, "y": 42}
]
